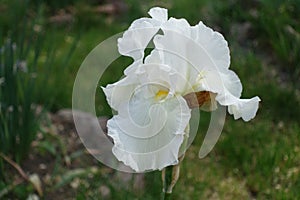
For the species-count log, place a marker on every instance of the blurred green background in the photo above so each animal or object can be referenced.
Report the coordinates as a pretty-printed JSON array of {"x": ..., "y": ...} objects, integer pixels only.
[{"x": 43, "y": 44}]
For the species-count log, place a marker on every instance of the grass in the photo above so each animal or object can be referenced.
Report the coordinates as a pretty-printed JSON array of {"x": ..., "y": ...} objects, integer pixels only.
[
  {"x": 18, "y": 118},
  {"x": 259, "y": 159}
]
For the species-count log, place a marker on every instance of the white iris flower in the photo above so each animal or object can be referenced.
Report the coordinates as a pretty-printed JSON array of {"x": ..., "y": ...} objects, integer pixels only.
[{"x": 153, "y": 101}]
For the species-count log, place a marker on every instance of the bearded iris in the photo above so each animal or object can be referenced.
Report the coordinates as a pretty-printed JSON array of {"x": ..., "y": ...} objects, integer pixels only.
[{"x": 188, "y": 67}]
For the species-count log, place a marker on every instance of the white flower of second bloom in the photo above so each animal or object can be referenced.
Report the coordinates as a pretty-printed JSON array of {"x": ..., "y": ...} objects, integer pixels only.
[{"x": 152, "y": 113}]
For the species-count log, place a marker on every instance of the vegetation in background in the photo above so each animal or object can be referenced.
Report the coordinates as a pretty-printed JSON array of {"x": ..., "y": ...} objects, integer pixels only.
[
  {"x": 18, "y": 109},
  {"x": 258, "y": 160},
  {"x": 24, "y": 80}
]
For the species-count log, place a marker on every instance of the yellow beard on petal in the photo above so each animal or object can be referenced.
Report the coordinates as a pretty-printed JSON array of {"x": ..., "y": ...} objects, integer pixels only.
[{"x": 161, "y": 94}]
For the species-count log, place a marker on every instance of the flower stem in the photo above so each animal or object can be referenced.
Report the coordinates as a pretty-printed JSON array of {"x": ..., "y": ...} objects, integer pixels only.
[
  {"x": 166, "y": 179},
  {"x": 170, "y": 176},
  {"x": 165, "y": 196}
]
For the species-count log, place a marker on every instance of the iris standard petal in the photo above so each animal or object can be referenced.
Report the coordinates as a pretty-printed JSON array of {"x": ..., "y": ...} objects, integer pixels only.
[
  {"x": 178, "y": 25},
  {"x": 140, "y": 33},
  {"x": 214, "y": 44},
  {"x": 182, "y": 46},
  {"x": 183, "y": 70},
  {"x": 159, "y": 14},
  {"x": 199, "y": 44},
  {"x": 232, "y": 83},
  {"x": 208, "y": 52}
]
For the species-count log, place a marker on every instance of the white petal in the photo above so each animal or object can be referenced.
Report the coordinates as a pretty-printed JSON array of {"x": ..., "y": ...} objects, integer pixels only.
[
  {"x": 155, "y": 73},
  {"x": 181, "y": 68},
  {"x": 240, "y": 108},
  {"x": 199, "y": 45},
  {"x": 136, "y": 116},
  {"x": 178, "y": 25},
  {"x": 232, "y": 83},
  {"x": 227, "y": 93},
  {"x": 216, "y": 81},
  {"x": 211, "y": 81},
  {"x": 160, "y": 14},
  {"x": 245, "y": 108},
  {"x": 155, "y": 57},
  {"x": 150, "y": 149},
  {"x": 140, "y": 33},
  {"x": 120, "y": 91},
  {"x": 164, "y": 75},
  {"x": 145, "y": 74},
  {"x": 181, "y": 46},
  {"x": 214, "y": 44}
]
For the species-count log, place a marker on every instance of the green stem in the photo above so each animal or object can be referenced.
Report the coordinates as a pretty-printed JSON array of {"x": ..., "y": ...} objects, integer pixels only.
[
  {"x": 165, "y": 196},
  {"x": 170, "y": 176},
  {"x": 167, "y": 181}
]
